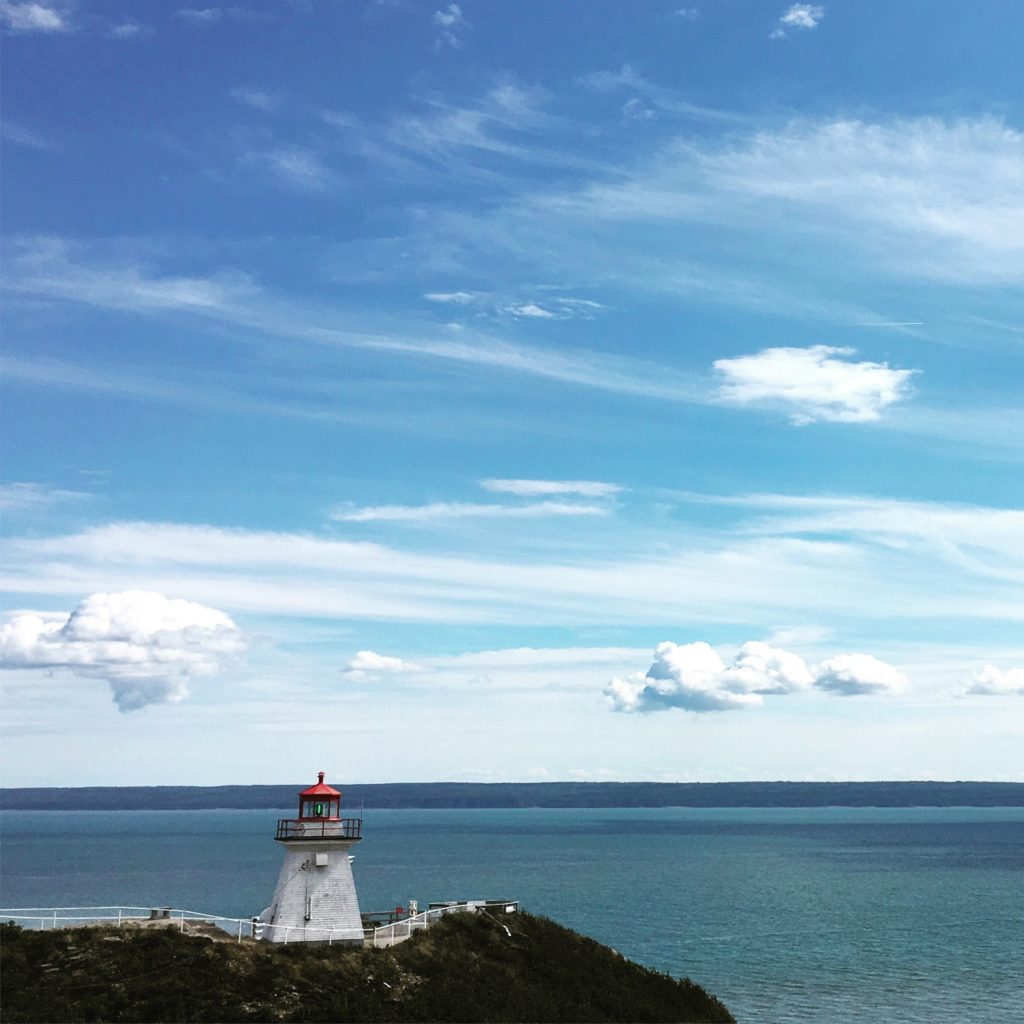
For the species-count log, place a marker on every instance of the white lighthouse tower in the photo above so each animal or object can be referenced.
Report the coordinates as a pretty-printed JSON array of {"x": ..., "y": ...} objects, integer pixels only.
[{"x": 315, "y": 899}]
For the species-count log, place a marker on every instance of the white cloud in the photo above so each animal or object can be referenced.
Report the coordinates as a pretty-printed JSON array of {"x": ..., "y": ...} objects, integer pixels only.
[
  {"x": 371, "y": 663},
  {"x": 812, "y": 384},
  {"x": 801, "y": 16},
  {"x": 301, "y": 169},
  {"x": 59, "y": 269},
  {"x": 721, "y": 572},
  {"x": 997, "y": 682},
  {"x": 200, "y": 15},
  {"x": 983, "y": 540},
  {"x": 129, "y": 30},
  {"x": 922, "y": 197},
  {"x": 531, "y": 309},
  {"x": 635, "y": 109},
  {"x": 446, "y": 510},
  {"x": 450, "y": 23},
  {"x": 258, "y": 99},
  {"x": 21, "y": 496},
  {"x": 459, "y": 298},
  {"x": 145, "y": 645},
  {"x": 32, "y": 17},
  {"x": 535, "y": 488},
  {"x": 853, "y": 674},
  {"x": 11, "y": 131},
  {"x": 694, "y": 677},
  {"x": 934, "y": 198},
  {"x": 687, "y": 13},
  {"x": 53, "y": 267}
]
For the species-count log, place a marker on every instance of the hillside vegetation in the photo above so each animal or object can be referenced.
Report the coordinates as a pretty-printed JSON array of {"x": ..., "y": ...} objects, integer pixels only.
[{"x": 465, "y": 968}]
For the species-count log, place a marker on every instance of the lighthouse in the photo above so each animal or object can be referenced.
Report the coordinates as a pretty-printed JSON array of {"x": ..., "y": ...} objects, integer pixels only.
[{"x": 315, "y": 899}]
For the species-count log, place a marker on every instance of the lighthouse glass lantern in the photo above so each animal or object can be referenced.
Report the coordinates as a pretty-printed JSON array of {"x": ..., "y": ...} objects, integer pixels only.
[{"x": 315, "y": 899}]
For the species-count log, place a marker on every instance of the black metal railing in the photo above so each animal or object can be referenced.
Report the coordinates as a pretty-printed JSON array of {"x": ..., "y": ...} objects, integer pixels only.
[{"x": 323, "y": 828}]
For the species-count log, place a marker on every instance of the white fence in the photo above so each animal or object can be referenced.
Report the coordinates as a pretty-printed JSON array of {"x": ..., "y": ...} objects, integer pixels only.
[
  {"x": 240, "y": 927},
  {"x": 73, "y": 917},
  {"x": 399, "y": 931}
]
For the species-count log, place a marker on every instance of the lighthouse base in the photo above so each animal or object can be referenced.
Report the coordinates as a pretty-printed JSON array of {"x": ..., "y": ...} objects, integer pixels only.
[{"x": 315, "y": 899}]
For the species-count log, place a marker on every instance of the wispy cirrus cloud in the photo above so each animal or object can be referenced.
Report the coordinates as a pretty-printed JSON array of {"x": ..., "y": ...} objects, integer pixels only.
[
  {"x": 129, "y": 30},
  {"x": 927, "y": 198},
  {"x": 443, "y": 511},
  {"x": 746, "y": 569},
  {"x": 985, "y": 541},
  {"x": 60, "y": 269},
  {"x": 24, "y": 496},
  {"x": 630, "y": 82},
  {"x": 294, "y": 167},
  {"x": 537, "y": 488},
  {"x": 20, "y": 135},
  {"x": 207, "y": 16},
  {"x": 258, "y": 99}
]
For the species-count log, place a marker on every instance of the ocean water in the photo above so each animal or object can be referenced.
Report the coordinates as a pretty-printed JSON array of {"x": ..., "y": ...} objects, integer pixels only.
[{"x": 819, "y": 915}]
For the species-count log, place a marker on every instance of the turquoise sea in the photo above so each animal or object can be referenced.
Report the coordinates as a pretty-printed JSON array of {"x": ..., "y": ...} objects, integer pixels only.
[{"x": 818, "y": 915}]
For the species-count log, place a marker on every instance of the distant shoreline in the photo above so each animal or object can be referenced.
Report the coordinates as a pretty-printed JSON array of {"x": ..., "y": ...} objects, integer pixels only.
[{"x": 481, "y": 795}]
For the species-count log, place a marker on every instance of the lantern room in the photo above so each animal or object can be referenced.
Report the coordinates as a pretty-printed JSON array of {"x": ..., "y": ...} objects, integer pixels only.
[
  {"x": 319, "y": 816},
  {"x": 320, "y": 802}
]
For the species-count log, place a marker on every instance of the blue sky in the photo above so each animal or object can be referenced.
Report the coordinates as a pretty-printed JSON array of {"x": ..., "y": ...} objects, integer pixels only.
[{"x": 530, "y": 391}]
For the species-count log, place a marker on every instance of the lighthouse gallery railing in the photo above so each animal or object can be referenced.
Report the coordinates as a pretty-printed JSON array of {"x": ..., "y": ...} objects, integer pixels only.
[{"x": 323, "y": 828}]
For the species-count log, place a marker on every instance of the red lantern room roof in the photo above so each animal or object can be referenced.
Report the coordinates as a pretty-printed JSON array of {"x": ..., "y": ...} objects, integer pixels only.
[{"x": 320, "y": 789}]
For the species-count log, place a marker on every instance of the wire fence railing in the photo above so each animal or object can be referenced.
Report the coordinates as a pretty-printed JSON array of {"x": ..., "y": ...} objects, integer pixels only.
[
  {"x": 240, "y": 928},
  {"x": 399, "y": 931}
]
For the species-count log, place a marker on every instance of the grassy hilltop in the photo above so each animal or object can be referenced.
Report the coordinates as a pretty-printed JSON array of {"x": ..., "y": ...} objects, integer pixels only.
[{"x": 465, "y": 968}]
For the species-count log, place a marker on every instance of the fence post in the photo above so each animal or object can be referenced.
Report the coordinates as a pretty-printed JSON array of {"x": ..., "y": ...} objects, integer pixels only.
[
  {"x": 183, "y": 921},
  {"x": 239, "y": 929},
  {"x": 55, "y": 920},
  {"x": 118, "y": 917}
]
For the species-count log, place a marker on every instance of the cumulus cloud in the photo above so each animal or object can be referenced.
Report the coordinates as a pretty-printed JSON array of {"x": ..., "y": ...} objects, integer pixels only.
[
  {"x": 451, "y": 22},
  {"x": 997, "y": 682},
  {"x": 459, "y": 298},
  {"x": 802, "y": 16},
  {"x": 371, "y": 663},
  {"x": 537, "y": 488},
  {"x": 145, "y": 645},
  {"x": 694, "y": 677},
  {"x": 854, "y": 674},
  {"x": 32, "y": 17},
  {"x": 813, "y": 384}
]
